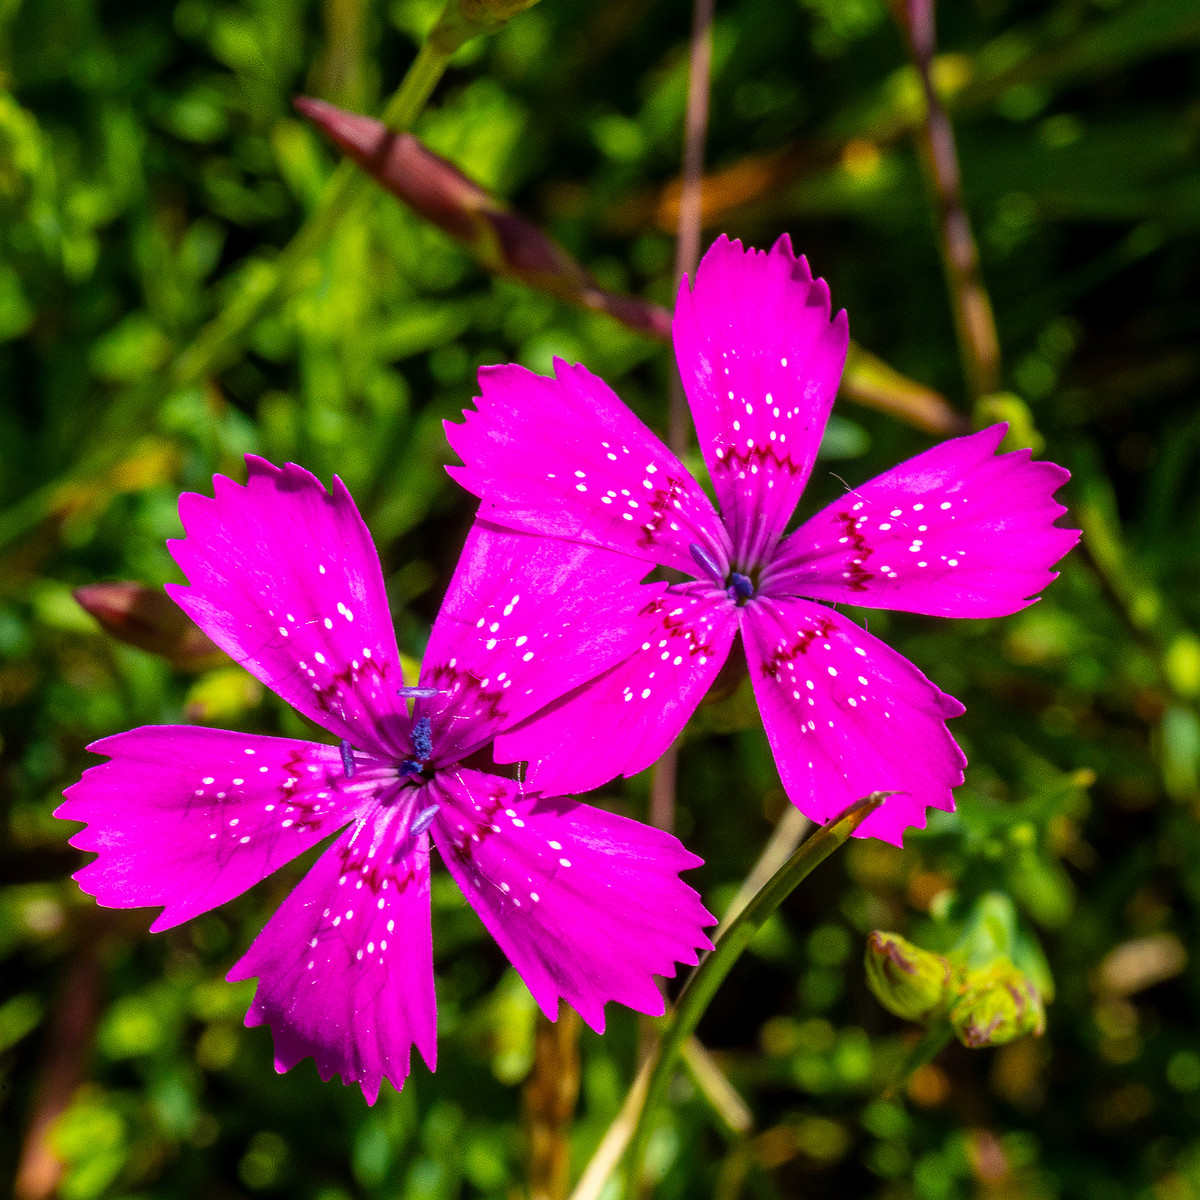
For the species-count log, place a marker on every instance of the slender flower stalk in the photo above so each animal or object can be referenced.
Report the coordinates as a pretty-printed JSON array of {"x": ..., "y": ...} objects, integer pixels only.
[
  {"x": 687, "y": 255},
  {"x": 789, "y": 830},
  {"x": 549, "y": 1097},
  {"x": 979, "y": 343},
  {"x": 687, "y": 235}
]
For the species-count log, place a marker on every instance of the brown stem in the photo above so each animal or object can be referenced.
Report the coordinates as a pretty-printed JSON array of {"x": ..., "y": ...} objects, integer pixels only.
[
  {"x": 687, "y": 244},
  {"x": 338, "y": 73},
  {"x": 979, "y": 345},
  {"x": 549, "y": 1096},
  {"x": 687, "y": 238}
]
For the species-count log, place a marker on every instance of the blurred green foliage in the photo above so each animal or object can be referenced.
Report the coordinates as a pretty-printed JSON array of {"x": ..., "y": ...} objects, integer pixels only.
[{"x": 151, "y": 168}]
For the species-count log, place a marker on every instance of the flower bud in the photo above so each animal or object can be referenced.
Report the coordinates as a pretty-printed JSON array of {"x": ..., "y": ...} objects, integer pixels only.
[
  {"x": 908, "y": 981},
  {"x": 997, "y": 1005},
  {"x": 149, "y": 619}
]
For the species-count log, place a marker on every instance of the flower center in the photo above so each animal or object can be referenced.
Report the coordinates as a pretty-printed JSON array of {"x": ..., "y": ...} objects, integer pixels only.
[
  {"x": 736, "y": 586},
  {"x": 375, "y": 775},
  {"x": 740, "y": 587}
]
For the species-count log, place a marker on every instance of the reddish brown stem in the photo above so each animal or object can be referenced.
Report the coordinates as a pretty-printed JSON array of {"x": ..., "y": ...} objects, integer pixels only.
[{"x": 68, "y": 1043}]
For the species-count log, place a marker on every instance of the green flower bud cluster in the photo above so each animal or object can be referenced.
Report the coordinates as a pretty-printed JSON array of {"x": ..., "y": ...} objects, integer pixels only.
[{"x": 986, "y": 1006}]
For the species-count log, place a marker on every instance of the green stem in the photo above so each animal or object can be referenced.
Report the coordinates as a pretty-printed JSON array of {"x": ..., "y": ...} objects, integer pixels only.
[
  {"x": 709, "y": 975},
  {"x": 218, "y": 339},
  {"x": 422, "y": 76}
]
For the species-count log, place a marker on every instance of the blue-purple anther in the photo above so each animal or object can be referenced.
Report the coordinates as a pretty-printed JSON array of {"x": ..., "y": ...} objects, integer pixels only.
[
  {"x": 423, "y": 820},
  {"x": 422, "y": 739},
  {"x": 347, "y": 758},
  {"x": 707, "y": 563},
  {"x": 422, "y": 744},
  {"x": 416, "y": 693},
  {"x": 737, "y": 586},
  {"x": 740, "y": 588}
]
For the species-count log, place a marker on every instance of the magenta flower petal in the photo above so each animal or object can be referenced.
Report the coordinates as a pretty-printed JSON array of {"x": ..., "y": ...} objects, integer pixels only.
[
  {"x": 520, "y": 626},
  {"x": 956, "y": 531},
  {"x": 284, "y": 576},
  {"x": 286, "y": 580},
  {"x": 623, "y": 721},
  {"x": 760, "y": 361},
  {"x": 345, "y": 967},
  {"x": 189, "y": 818},
  {"x": 565, "y": 457},
  {"x": 846, "y": 715},
  {"x": 587, "y": 905}
]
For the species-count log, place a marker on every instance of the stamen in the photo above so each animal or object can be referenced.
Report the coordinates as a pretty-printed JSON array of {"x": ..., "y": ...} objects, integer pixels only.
[
  {"x": 409, "y": 767},
  {"x": 423, "y": 820},
  {"x": 422, "y": 739},
  {"x": 417, "y": 693},
  {"x": 706, "y": 563},
  {"x": 740, "y": 587},
  {"x": 347, "y": 758}
]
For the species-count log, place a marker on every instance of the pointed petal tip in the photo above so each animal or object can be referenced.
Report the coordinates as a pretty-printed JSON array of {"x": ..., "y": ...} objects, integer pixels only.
[
  {"x": 593, "y": 1016},
  {"x": 163, "y": 922},
  {"x": 783, "y": 245}
]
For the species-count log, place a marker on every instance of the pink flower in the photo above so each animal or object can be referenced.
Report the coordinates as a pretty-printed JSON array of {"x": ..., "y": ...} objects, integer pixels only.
[
  {"x": 284, "y": 577},
  {"x": 957, "y": 531}
]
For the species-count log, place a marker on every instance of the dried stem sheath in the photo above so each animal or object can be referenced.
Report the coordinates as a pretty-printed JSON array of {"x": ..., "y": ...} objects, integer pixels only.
[{"x": 550, "y": 1094}]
